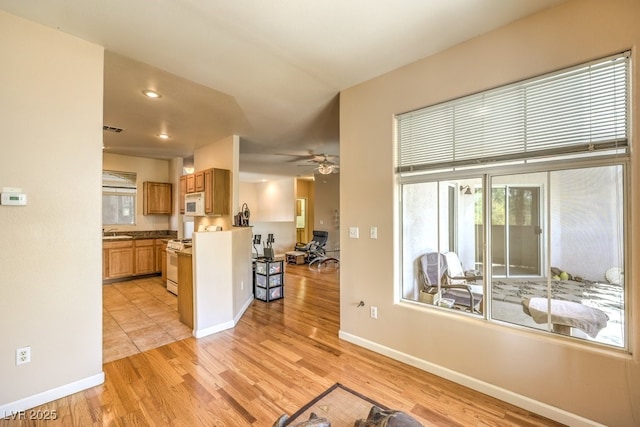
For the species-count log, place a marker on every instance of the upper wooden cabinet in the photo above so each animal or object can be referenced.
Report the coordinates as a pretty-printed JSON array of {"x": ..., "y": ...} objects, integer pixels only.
[
  {"x": 217, "y": 191},
  {"x": 199, "y": 181},
  {"x": 191, "y": 183},
  {"x": 182, "y": 192},
  {"x": 216, "y": 185},
  {"x": 158, "y": 198}
]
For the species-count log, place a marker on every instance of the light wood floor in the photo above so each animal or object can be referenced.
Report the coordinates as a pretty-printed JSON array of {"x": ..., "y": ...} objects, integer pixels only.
[{"x": 279, "y": 356}]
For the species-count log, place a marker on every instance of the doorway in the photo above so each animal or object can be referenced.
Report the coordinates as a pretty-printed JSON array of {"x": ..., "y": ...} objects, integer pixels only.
[
  {"x": 302, "y": 220},
  {"x": 516, "y": 231}
]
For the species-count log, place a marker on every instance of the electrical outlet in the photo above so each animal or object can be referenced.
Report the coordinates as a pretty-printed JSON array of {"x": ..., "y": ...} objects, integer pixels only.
[
  {"x": 374, "y": 312},
  {"x": 23, "y": 355}
]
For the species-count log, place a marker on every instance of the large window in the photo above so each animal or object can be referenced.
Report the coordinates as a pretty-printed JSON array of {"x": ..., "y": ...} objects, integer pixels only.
[
  {"x": 118, "y": 198},
  {"x": 533, "y": 234}
]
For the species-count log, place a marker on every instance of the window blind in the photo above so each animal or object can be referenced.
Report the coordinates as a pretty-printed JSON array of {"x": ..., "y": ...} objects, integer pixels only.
[
  {"x": 577, "y": 110},
  {"x": 116, "y": 182},
  {"x": 117, "y": 179}
]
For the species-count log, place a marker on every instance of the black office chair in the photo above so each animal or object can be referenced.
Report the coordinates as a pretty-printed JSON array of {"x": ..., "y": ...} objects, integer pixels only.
[{"x": 315, "y": 247}]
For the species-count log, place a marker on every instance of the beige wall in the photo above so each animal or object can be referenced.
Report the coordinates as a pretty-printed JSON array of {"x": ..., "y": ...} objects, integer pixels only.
[
  {"x": 221, "y": 154},
  {"x": 548, "y": 375},
  {"x": 146, "y": 170},
  {"x": 50, "y": 288},
  {"x": 327, "y": 210}
]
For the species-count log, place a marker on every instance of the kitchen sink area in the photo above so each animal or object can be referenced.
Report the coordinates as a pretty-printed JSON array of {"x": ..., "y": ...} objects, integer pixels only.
[{"x": 120, "y": 237}]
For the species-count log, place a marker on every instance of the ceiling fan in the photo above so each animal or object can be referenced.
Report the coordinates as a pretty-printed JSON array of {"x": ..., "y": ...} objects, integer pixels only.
[{"x": 323, "y": 165}]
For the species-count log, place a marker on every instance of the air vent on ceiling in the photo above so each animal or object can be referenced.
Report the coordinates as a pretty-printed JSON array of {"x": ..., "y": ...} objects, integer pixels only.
[{"x": 112, "y": 129}]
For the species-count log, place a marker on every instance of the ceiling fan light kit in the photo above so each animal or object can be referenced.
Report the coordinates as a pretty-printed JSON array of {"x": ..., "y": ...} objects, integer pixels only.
[
  {"x": 325, "y": 169},
  {"x": 323, "y": 165}
]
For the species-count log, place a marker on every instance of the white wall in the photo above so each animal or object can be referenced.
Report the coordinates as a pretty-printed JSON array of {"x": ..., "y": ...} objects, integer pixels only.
[
  {"x": 146, "y": 170},
  {"x": 50, "y": 288},
  {"x": 568, "y": 381},
  {"x": 276, "y": 201},
  {"x": 585, "y": 215},
  {"x": 222, "y": 279},
  {"x": 272, "y": 207}
]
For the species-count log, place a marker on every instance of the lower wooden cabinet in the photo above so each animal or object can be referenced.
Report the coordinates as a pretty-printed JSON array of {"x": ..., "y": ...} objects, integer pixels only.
[
  {"x": 133, "y": 258},
  {"x": 185, "y": 288},
  {"x": 161, "y": 258},
  {"x": 145, "y": 256},
  {"x": 117, "y": 259}
]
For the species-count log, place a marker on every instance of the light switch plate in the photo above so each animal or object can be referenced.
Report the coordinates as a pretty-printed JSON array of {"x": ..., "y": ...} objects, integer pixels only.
[
  {"x": 354, "y": 232},
  {"x": 373, "y": 232}
]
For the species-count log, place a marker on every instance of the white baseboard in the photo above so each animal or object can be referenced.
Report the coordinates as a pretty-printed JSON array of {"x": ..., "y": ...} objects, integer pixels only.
[
  {"x": 524, "y": 402},
  {"x": 13, "y": 408},
  {"x": 200, "y": 333},
  {"x": 244, "y": 308}
]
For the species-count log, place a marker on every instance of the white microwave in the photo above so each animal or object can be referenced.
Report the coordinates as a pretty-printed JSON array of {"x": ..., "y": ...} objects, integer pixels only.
[{"x": 194, "y": 204}]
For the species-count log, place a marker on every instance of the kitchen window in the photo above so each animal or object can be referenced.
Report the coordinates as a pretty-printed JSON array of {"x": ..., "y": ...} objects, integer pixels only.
[
  {"x": 536, "y": 225},
  {"x": 118, "y": 198}
]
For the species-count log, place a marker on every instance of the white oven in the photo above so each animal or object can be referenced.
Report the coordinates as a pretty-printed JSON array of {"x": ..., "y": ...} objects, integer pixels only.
[{"x": 173, "y": 247}]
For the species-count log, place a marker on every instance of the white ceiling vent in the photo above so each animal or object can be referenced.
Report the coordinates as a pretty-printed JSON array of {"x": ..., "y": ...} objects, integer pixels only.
[{"x": 112, "y": 129}]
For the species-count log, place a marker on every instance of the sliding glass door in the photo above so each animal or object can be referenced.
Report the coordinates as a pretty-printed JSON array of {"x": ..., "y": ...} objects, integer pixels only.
[{"x": 516, "y": 230}]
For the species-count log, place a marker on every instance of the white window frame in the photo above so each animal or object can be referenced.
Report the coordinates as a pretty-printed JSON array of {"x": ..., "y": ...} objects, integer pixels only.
[
  {"x": 608, "y": 146},
  {"x": 122, "y": 186}
]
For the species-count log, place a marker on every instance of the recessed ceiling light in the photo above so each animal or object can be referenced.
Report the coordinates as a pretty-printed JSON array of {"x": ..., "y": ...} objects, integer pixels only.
[
  {"x": 163, "y": 136},
  {"x": 151, "y": 93}
]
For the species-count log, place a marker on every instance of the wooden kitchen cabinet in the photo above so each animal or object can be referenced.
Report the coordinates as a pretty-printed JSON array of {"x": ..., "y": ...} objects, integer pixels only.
[
  {"x": 191, "y": 183},
  {"x": 157, "y": 198},
  {"x": 118, "y": 259},
  {"x": 144, "y": 256},
  {"x": 216, "y": 185},
  {"x": 185, "y": 288},
  {"x": 217, "y": 191},
  {"x": 161, "y": 258},
  {"x": 182, "y": 192},
  {"x": 199, "y": 181},
  {"x": 105, "y": 270}
]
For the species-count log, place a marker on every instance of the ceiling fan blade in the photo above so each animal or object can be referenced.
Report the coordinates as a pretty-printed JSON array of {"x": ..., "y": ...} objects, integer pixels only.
[{"x": 298, "y": 157}]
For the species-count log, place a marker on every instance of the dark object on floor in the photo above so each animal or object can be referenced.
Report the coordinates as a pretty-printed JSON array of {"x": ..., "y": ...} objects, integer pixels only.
[
  {"x": 341, "y": 405},
  {"x": 387, "y": 418},
  {"x": 313, "y": 421}
]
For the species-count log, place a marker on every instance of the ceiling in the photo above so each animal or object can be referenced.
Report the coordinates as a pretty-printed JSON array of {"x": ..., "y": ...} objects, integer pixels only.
[{"x": 269, "y": 71}]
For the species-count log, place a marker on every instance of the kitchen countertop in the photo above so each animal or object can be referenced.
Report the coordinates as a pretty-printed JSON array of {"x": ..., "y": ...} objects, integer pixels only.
[{"x": 139, "y": 235}]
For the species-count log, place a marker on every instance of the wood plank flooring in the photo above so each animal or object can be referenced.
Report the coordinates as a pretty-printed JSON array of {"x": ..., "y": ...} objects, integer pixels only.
[{"x": 279, "y": 356}]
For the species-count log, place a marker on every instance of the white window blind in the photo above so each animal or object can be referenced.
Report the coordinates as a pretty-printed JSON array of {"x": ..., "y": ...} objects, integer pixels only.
[
  {"x": 578, "y": 110},
  {"x": 118, "y": 182}
]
